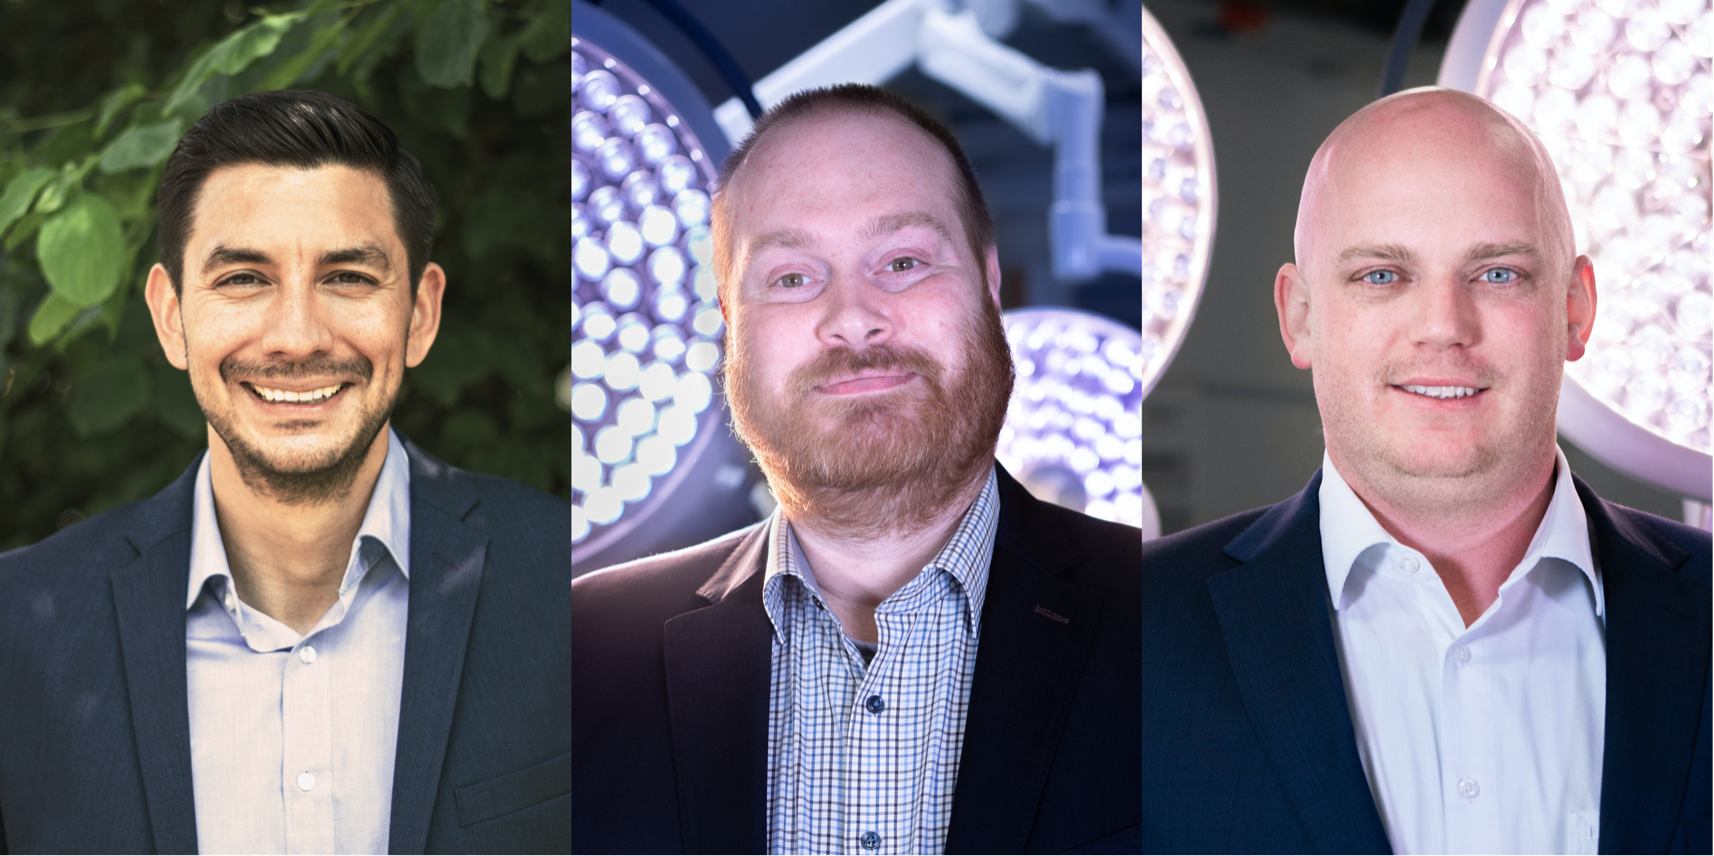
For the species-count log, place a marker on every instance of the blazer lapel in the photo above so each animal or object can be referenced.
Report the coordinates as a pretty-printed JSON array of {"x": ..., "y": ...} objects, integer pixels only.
[
  {"x": 446, "y": 571},
  {"x": 1657, "y": 671},
  {"x": 1275, "y": 617},
  {"x": 718, "y": 662},
  {"x": 1035, "y": 635},
  {"x": 148, "y": 598}
]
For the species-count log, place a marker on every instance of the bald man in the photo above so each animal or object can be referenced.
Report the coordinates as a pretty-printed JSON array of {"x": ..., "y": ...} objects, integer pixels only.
[{"x": 1446, "y": 642}]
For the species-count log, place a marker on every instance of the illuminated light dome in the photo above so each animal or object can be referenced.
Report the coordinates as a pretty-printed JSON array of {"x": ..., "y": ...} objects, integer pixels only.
[
  {"x": 1178, "y": 202},
  {"x": 1073, "y": 431},
  {"x": 646, "y": 328},
  {"x": 1619, "y": 93}
]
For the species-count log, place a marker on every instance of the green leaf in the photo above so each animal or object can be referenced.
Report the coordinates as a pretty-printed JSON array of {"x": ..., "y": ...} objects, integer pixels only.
[
  {"x": 498, "y": 57},
  {"x": 143, "y": 146},
  {"x": 360, "y": 42},
  {"x": 51, "y": 317},
  {"x": 109, "y": 396},
  {"x": 81, "y": 249},
  {"x": 8, "y": 317},
  {"x": 549, "y": 35},
  {"x": 175, "y": 403},
  {"x": 115, "y": 101},
  {"x": 20, "y": 192},
  {"x": 448, "y": 43},
  {"x": 294, "y": 68},
  {"x": 57, "y": 191},
  {"x": 232, "y": 55}
]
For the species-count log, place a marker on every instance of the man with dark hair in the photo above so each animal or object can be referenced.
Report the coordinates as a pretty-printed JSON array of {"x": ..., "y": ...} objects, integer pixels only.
[
  {"x": 319, "y": 639},
  {"x": 912, "y": 655}
]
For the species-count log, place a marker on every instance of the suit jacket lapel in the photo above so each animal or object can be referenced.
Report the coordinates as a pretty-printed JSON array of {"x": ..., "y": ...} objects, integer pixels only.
[
  {"x": 1274, "y": 615},
  {"x": 1657, "y": 671},
  {"x": 1035, "y": 636},
  {"x": 148, "y": 598},
  {"x": 718, "y": 662},
  {"x": 446, "y": 570}
]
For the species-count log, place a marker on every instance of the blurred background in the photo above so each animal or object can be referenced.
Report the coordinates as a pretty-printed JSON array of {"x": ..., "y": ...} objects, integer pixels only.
[
  {"x": 93, "y": 95},
  {"x": 1230, "y": 424}
]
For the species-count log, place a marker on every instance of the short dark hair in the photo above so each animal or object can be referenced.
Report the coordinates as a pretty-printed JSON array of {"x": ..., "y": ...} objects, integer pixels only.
[
  {"x": 299, "y": 128},
  {"x": 865, "y": 100}
]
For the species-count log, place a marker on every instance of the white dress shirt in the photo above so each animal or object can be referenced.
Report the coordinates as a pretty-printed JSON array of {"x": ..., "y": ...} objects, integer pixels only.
[
  {"x": 292, "y": 737},
  {"x": 1479, "y": 739}
]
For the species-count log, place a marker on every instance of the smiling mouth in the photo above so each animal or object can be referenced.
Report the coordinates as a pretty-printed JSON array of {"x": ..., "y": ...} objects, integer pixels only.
[
  {"x": 1443, "y": 393},
  {"x": 286, "y": 396},
  {"x": 868, "y": 383}
]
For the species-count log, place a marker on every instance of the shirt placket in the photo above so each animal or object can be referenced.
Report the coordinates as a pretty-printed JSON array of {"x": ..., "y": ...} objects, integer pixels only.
[
  {"x": 1469, "y": 776},
  {"x": 306, "y": 698}
]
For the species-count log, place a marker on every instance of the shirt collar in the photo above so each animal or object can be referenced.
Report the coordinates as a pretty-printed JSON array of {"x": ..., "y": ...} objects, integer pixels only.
[
  {"x": 1349, "y": 530},
  {"x": 966, "y": 556},
  {"x": 387, "y": 522}
]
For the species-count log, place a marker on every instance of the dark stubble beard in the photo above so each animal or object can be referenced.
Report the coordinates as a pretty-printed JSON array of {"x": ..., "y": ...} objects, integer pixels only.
[
  {"x": 879, "y": 464},
  {"x": 317, "y": 481}
]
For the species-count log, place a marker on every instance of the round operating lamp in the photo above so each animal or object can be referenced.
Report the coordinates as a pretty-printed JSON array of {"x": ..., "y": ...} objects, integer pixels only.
[
  {"x": 1619, "y": 93},
  {"x": 649, "y": 441},
  {"x": 1073, "y": 430}
]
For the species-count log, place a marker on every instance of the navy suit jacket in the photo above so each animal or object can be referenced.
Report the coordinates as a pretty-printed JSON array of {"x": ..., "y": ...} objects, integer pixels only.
[
  {"x": 670, "y": 673},
  {"x": 94, "y": 719},
  {"x": 1250, "y": 744}
]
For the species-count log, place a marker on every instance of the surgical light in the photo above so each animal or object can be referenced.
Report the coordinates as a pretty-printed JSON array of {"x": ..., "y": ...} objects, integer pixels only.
[
  {"x": 1619, "y": 93},
  {"x": 1073, "y": 430},
  {"x": 646, "y": 329}
]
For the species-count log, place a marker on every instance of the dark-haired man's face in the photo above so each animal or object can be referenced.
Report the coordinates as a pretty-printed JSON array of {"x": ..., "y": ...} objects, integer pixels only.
[
  {"x": 866, "y": 355},
  {"x": 296, "y": 321}
]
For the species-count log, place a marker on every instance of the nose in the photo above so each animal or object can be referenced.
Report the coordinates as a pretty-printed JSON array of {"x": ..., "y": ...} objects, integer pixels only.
[
  {"x": 1444, "y": 314},
  {"x": 854, "y": 315},
  {"x": 296, "y": 320}
]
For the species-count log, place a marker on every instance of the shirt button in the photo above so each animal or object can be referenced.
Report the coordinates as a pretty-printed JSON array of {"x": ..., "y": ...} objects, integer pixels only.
[
  {"x": 1468, "y": 788},
  {"x": 305, "y": 781},
  {"x": 1410, "y": 564},
  {"x": 1462, "y": 652},
  {"x": 306, "y": 654},
  {"x": 871, "y": 840},
  {"x": 875, "y": 704}
]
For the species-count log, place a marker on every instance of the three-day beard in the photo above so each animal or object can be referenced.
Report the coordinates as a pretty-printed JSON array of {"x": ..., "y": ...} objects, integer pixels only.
[{"x": 883, "y": 462}]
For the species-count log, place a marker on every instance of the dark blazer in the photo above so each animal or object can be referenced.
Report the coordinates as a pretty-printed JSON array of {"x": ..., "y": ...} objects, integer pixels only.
[
  {"x": 670, "y": 666},
  {"x": 1251, "y": 747},
  {"x": 94, "y": 721}
]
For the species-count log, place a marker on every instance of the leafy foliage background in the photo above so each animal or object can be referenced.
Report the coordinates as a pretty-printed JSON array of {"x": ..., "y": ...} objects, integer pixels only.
[{"x": 93, "y": 97}]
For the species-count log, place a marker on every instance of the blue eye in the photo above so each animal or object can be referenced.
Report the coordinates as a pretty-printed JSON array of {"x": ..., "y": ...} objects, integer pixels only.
[
  {"x": 1380, "y": 277},
  {"x": 1500, "y": 275}
]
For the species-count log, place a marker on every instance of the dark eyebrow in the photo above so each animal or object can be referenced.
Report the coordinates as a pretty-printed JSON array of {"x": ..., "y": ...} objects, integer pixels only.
[
  {"x": 223, "y": 256},
  {"x": 369, "y": 254},
  {"x": 1386, "y": 252}
]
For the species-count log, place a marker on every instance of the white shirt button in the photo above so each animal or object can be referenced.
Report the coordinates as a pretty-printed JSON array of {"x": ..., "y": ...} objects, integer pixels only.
[
  {"x": 1462, "y": 652},
  {"x": 1410, "y": 564},
  {"x": 1466, "y": 787},
  {"x": 307, "y": 654},
  {"x": 307, "y": 781}
]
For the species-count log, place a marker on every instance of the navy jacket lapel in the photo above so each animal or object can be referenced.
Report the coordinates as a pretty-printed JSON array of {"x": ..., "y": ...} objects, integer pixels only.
[
  {"x": 1657, "y": 679},
  {"x": 1276, "y": 621},
  {"x": 148, "y": 598},
  {"x": 446, "y": 570},
  {"x": 1035, "y": 636},
  {"x": 718, "y": 662}
]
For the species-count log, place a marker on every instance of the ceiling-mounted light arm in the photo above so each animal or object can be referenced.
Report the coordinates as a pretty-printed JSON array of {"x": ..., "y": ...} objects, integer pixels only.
[{"x": 1055, "y": 108}]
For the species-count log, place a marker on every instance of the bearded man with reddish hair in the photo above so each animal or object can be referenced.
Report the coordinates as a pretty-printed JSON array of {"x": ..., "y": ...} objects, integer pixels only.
[{"x": 912, "y": 654}]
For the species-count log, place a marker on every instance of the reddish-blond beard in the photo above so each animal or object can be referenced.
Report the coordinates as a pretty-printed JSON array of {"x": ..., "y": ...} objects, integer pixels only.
[{"x": 885, "y": 463}]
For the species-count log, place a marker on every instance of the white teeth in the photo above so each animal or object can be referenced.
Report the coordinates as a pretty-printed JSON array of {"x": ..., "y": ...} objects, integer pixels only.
[
  {"x": 314, "y": 396},
  {"x": 1442, "y": 391}
]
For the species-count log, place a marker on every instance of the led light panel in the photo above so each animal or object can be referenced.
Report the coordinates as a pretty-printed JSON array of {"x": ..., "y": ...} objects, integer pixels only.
[
  {"x": 645, "y": 326},
  {"x": 1073, "y": 431},
  {"x": 1619, "y": 93}
]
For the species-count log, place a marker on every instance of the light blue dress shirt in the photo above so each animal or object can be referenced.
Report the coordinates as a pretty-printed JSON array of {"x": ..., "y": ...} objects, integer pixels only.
[{"x": 293, "y": 737}]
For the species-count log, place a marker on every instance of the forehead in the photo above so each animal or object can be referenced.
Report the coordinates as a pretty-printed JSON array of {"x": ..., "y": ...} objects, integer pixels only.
[{"x": 260, "y": 203}]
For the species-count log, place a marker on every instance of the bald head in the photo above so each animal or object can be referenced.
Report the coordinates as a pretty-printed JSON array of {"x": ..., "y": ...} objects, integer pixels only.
[{"x": 1427, "y": 132}]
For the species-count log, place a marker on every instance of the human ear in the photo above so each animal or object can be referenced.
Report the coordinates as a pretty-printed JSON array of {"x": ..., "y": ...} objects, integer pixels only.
[
  {"x": 1579, "y": 308},
  {"x": 425, "y": 314},
  {"x": 1291, "y": 301},
  {"x": 167, "y": 313}
]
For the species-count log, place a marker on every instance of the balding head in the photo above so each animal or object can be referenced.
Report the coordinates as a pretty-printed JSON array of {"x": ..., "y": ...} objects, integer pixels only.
[{"x": 1429, "y": 130}]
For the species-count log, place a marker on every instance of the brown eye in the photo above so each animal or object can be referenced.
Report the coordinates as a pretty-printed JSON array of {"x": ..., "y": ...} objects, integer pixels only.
[{"x": 791, "y": 280}]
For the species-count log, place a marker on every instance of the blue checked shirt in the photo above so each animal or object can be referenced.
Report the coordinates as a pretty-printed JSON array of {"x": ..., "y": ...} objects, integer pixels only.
[{"x": 863, "y": 758}]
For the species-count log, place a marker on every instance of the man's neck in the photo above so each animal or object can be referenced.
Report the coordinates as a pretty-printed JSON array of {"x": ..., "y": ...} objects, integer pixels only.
[
  {"x": 287, "y": 560},
  {"x": 855, "y": 574},
  {"x": 1474, "y": 533}
]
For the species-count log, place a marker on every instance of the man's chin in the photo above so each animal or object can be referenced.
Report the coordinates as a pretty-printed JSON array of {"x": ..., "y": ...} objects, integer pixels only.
[{"x": 300, "y": 468}]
